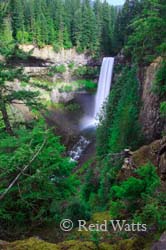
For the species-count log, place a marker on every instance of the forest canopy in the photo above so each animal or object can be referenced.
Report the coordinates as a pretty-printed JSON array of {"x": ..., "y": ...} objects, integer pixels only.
[{"x": 84, "y": 24}]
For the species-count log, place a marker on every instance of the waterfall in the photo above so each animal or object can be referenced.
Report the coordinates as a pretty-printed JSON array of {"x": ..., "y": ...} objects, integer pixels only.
[
  {"x": 103, "y": 90},
  {"x": 91, "y": 120},
  {"x": 104, "y": 84}
]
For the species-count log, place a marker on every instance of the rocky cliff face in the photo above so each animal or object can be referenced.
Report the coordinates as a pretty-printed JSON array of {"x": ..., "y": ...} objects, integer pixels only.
[
  {"x": 47, "y": 53},
  {"x": 151, "y": 153},
  {"x": 39, "y": 64},
  {"x": 150, "y": 115},
  {"x": 155, "y": 153}
]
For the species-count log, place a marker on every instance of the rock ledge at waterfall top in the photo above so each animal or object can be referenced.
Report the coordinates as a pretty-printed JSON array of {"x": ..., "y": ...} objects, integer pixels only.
[{"x": 47, "y": 53}]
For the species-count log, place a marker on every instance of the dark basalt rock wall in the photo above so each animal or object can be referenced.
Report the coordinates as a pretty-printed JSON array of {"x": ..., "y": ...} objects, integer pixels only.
[{"x": 152, "y": 125}]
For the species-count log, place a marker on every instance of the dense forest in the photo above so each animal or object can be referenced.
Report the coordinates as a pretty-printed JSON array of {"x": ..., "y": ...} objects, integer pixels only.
[
  {"x": 40, "y": 185},
  {"x": 64, "y": 24}
]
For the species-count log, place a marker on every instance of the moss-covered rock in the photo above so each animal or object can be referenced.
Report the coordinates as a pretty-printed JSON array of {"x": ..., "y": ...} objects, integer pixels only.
[
  {"x": 147, "y": 153},
  {"x": 37, "y": 244},
  {"x": 31, "y": 244},
  {"x": 77, "y": 245},
  {"x": 106, "y": 246}
]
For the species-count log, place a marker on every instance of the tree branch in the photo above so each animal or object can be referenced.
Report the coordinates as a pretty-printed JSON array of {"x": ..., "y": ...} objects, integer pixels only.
[{"x": 22, "y": 171}]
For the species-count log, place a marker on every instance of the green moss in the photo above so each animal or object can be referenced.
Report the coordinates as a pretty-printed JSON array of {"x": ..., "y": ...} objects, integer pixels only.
[
  {"x": 101, "y": 216},
  {"x": 133, "y": 244},
  {"x": 106, "y": 246},
  {"x": 130, "y": 244},
  {"x": 32, "y": 244},
  {"x": 77, "y": 245},
  {"x": 37, "y": 244}
]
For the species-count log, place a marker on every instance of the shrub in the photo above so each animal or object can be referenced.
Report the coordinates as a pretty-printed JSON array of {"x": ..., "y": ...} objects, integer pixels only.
[
  {"x": 57, "y": 69},
  {"x": 134, "y": 191},
  {"x": 56, "y": 47},
  {"x": 119, "y": 124},
  {"x": 80, "y": 71},
  {"x": 163, "y": 109},
  {"x": 154, "y": 212},
  {"x": 77, "y": 210},
  {"x": 72, "y": 107},
  {"x": 88, "y": 84},
  {"x": 47, "y": 181},
  {"x": 22, "y": 36},
  {"x": 96, "y": 238},
  {"x": 86, "y": 72},
  {"x": 138, "y": 198},
  {"x": 41, "y": 84},
  {"x": 60, "y": 69},
  {"x": 66, "y": 89},
  {"x": 159, "y": 86},
  {"x": 71, "y": 65}
]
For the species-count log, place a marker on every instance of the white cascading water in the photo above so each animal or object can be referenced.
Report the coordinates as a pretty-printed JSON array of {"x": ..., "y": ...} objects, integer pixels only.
[
  {"x": 104, "y": 84},
  {"x": 77, "y": 150}
]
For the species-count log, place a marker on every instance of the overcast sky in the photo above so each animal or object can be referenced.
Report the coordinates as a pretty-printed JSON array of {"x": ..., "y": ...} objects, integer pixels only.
[{"x": 116, "y": 2}]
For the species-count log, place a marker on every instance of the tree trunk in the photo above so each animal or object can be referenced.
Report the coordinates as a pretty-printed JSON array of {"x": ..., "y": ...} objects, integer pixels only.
[{"x": 5, "y": 118}]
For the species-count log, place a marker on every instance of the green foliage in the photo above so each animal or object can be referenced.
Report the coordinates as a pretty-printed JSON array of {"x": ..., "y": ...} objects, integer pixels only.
[
  {"x": 31, "y": 158},
  {"x": 117, "y": 209},
  {"x": 96, "y": 238},
  {"x": 7, "y": 94},
  {"x": 77, "y": 210},
  {"x": 60, "y": 69},
  {"x": 6, "y": 32},
  {"x": 107, "y": 178},
  {"x": 151, "y": 21},
  {"x": 133, "y": 23},
  {"x": 138, "y": 187},
  {"x": 63, "y": 24},
  {"x": 43, "y": 84},
  {"x": 46, "y": 181},
  {"x": 87, "y": 84},
  {"x": 42, "y": 191},
  {"x": 86, "y": 72},
  {"x": 80, "y": 71},
  {"x": 97, "y": 183},
  {"x": 71, "y": 65},
  {"x": 134, "y": 192},
  {"x": 66, "y": 88},
  {"x": 119, "y": 126},
  {"x": 57, "y": 69},
  {"x": 123, "y": 19},
  {"x": 153, "y": 213},
  {"x": 22, "y": 36},
  {"x": 56, "y": 47},
  {"x": 163, "y": 109},
  {"x": 159, "y": 86},
  {"x": 72, "y": 107},
  {"x": 89, "y": 185},
  {"x": 125, "y": 130}
]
